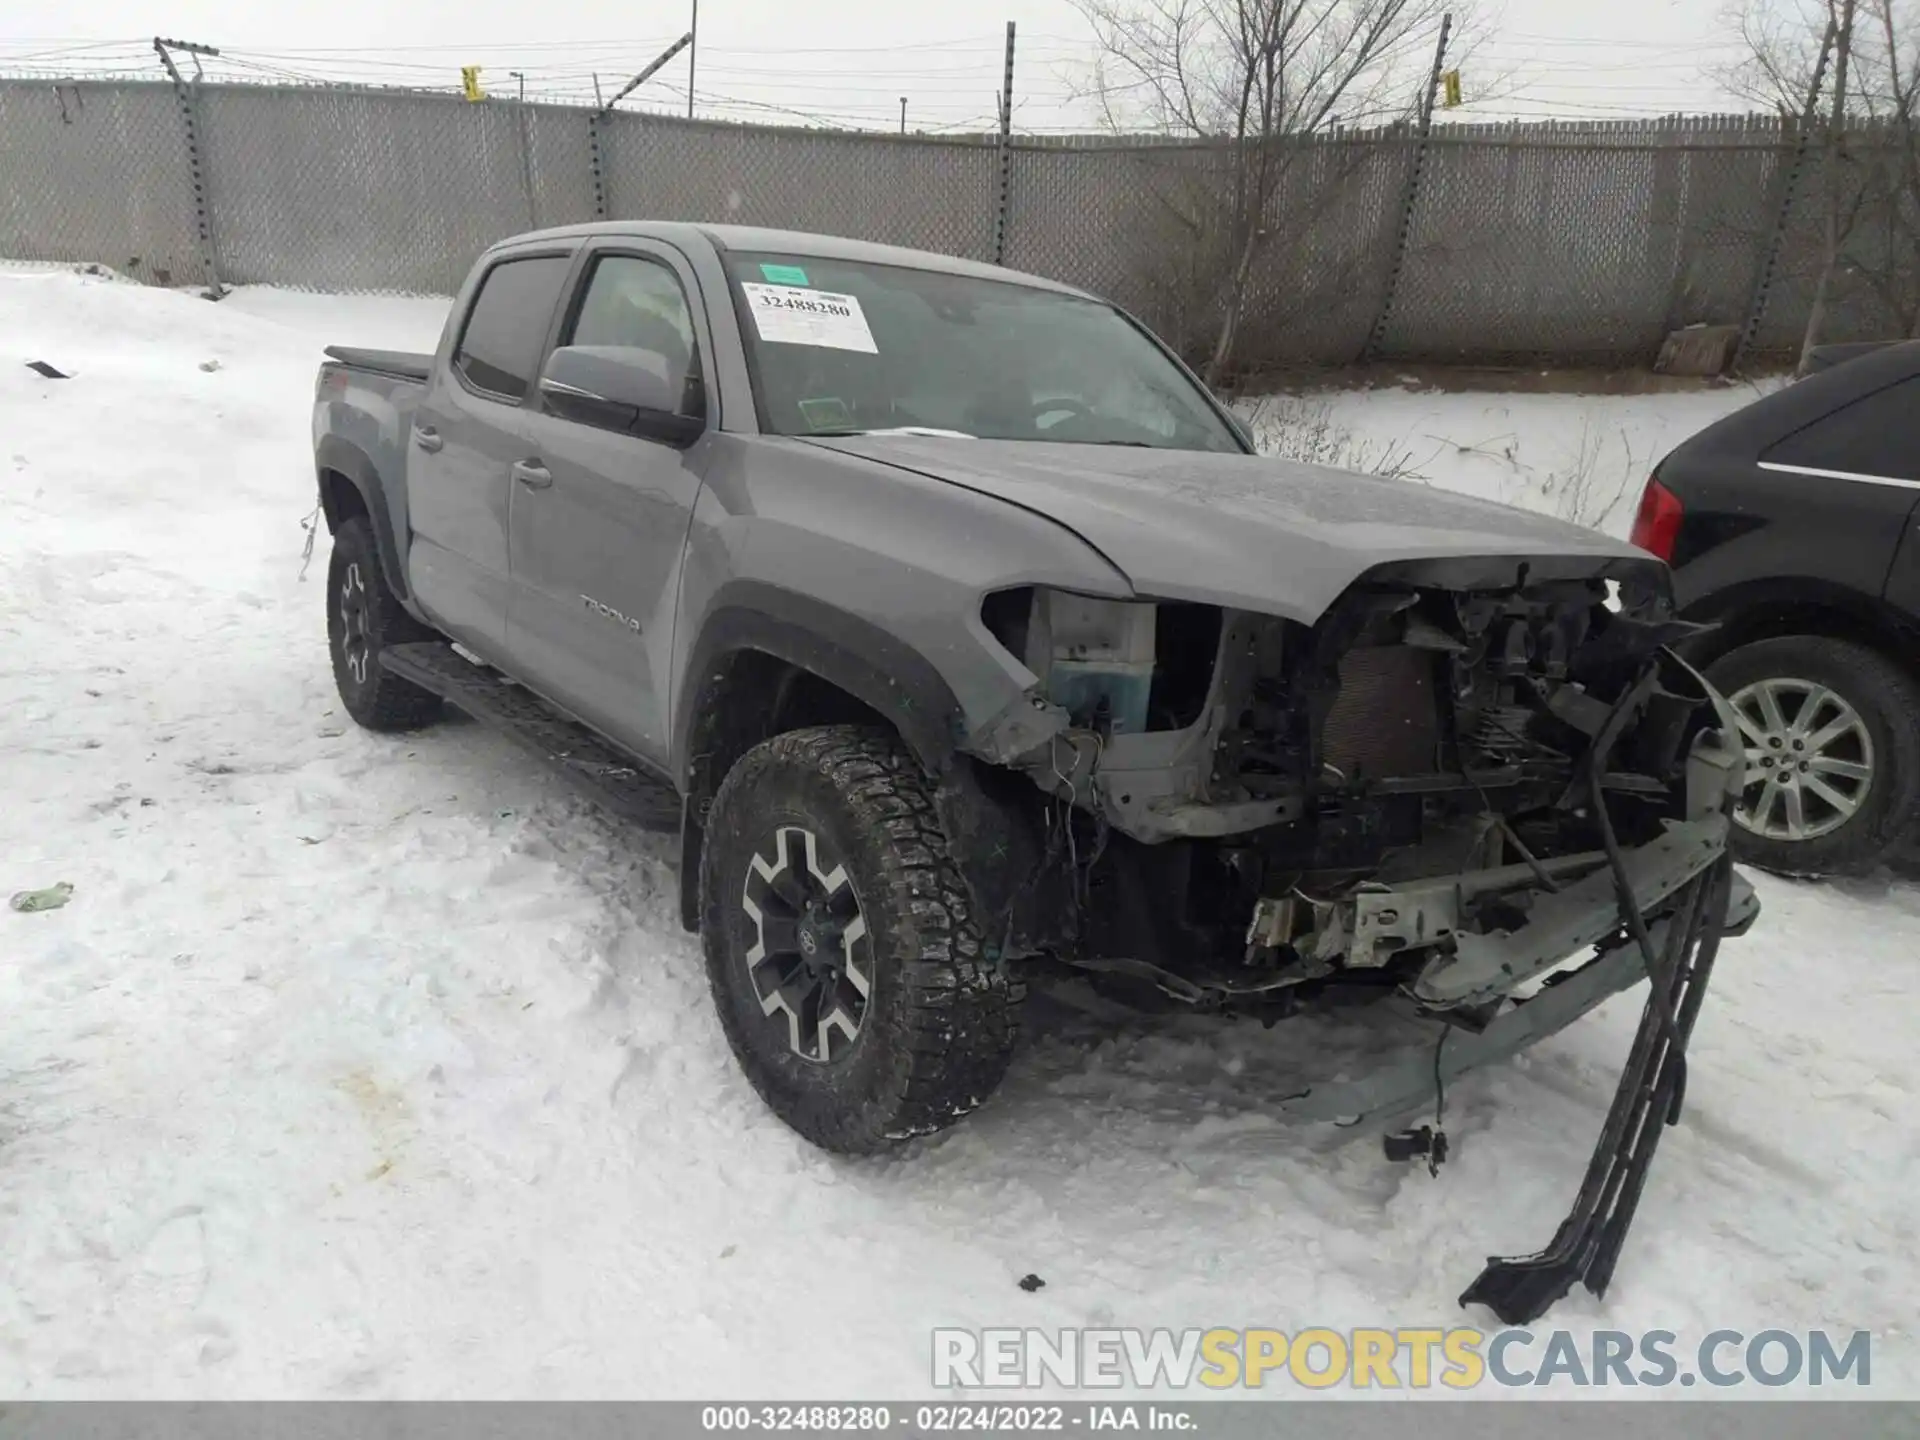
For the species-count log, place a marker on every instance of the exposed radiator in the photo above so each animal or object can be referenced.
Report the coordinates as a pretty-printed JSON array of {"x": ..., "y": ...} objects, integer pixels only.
[{"x": 1385, "y": 721}]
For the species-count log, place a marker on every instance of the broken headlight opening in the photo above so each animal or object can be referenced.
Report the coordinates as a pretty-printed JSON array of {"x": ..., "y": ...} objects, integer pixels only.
[{"x": 1474, "y": 792}]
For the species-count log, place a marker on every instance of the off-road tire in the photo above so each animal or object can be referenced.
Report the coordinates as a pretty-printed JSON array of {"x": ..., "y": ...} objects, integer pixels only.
[
  {"x": 1888, "y": 702},
  {"x": 940, "y": 1020},
  {"x": 376, "y": 698}
]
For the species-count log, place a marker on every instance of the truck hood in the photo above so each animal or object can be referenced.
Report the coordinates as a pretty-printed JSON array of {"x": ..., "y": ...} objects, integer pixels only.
[{"x": 1251, "y": 533}]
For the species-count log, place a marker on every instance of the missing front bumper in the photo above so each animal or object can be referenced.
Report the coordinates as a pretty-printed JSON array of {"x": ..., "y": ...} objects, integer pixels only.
[
  {"x": 1707, "y": 908},
  {"x": 1564, "y": 922},
  {"x": 1407, "y": 1079}
]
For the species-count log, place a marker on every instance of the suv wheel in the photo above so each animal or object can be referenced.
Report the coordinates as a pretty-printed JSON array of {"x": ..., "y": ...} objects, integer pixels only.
[
  {"x": 363, "y": 617},
  {"x": 849, "y": 973},
  {"x": 1832, "y": 732}
]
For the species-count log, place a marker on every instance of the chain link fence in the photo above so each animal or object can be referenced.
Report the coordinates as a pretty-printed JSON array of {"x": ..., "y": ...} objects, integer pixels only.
[
  {"x": 927, "y": 194},
  {"x": 344, "y": 191},
  {"x": 97, "y": 173},
  {"x": 1518, "y": 243},
  {"x": 1581, "y": 248}
]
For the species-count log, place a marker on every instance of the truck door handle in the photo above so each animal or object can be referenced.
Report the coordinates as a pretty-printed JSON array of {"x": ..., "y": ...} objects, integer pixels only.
[
  {"x": 427, "y": 438},
  {"x": 532, "y": 474}
]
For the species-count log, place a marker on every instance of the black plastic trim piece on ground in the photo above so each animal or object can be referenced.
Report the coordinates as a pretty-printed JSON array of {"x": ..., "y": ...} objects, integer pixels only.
[
  {"x": 609, "y": 777},
  {"x": 1587, "y": 1245}
]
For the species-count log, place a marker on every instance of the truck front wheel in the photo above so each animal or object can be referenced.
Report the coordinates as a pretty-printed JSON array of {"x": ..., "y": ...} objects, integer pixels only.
[
  {"x": 850, "y": 975},
  {"x": 364, "y": 617}
]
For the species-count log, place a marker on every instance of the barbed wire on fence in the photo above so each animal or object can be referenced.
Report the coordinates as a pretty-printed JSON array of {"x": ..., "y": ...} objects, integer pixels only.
[{"x": 1582, "y": 241}]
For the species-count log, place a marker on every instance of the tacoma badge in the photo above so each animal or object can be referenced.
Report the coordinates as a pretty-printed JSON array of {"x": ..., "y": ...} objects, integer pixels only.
[{"x": 608, "y": 612}]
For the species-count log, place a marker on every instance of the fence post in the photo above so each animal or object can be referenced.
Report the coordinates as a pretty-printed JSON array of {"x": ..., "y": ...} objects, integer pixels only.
[
  {"x": 597, "y": 161},
  {"x": 1789, "y": 191},
  {"x": 597, "y": 122},
  {"x": 1004, "y": 188},
  {"x": 187, "y": 96},
  {"x": 1403, "y": 237},
  {"x": 524, "y": 126}
]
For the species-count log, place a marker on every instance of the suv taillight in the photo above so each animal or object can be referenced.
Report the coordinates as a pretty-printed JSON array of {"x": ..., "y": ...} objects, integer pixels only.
[{"x": 1656, "y": 526}]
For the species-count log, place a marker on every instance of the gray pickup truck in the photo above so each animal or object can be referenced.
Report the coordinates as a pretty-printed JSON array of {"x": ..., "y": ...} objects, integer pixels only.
[{"x": 964, "y": 640}]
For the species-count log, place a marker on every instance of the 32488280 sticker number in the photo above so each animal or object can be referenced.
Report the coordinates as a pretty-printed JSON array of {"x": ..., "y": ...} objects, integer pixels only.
[{"x": 792, "y": 315}]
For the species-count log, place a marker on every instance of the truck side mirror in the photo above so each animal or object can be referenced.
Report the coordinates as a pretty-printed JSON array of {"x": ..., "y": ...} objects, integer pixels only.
[{"x": 615, "y": 387}]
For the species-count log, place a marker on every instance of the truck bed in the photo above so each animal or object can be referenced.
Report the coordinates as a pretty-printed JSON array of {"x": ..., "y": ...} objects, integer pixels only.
[{"x": 402, "y": 364}]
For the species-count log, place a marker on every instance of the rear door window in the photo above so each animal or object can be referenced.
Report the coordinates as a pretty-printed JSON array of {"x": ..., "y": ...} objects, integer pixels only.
[
  {"x": 507, "y": 325},
  {"x": 1876, "y": 437}
]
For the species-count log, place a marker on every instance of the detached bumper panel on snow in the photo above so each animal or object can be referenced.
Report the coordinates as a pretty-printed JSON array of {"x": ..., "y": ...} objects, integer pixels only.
[
  {"x": 1484, "y": 967},
  {"x": 1406, "y": 1081},
  {"x": 1587, "y": 1245}
]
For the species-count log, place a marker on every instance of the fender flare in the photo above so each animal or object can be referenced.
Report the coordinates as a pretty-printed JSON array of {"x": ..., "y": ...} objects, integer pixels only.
[
  {"x": 882, "y": 672},
  {"x": 886, "y": 675},
  {"x": 345, "y": 459},
  {"x": 990, "y": 816}
]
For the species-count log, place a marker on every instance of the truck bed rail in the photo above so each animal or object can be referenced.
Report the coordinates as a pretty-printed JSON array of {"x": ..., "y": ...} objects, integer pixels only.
[{"x": 402, "y": 364}]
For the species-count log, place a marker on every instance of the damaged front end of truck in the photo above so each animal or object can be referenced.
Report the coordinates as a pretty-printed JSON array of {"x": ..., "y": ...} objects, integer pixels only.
[{"x": 1484, "y": 792}]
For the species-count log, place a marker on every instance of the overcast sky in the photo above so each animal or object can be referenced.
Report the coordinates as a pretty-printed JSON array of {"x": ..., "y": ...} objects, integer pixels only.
[{"x": 846, "y": 61}]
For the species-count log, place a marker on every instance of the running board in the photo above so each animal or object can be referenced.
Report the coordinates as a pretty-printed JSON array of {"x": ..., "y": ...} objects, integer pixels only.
[
  {"x": 1587, "y": 1245},
  {"x": 607, "y": 777}
]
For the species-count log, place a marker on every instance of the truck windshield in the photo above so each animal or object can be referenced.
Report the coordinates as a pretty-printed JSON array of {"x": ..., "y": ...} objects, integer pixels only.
[{"x": 841, "y": 347}]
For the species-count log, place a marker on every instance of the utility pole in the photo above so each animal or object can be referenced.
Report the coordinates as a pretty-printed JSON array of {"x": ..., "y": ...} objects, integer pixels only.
[
  {"x": 1433, "y": 80},
  {"x": 1006, "y": 157},
  {"x": 693, "y": 54},
  {"x": 1403, "y": 237},
  {"x": 647, "y": 74},
  {"x": 1763, "y": 277},
  {"x": 526, "y": 150},
  {"x": 1836, "y": 144},
  {"x": 187, "y": 96},
  {"x": 597, "y": 123},
  {"x": 903, "y": 114}
]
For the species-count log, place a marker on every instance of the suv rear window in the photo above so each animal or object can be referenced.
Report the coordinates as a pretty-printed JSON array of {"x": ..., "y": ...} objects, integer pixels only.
[
  {"x": 508, "y": 324},
  {"x": 1877, "y": 436}
]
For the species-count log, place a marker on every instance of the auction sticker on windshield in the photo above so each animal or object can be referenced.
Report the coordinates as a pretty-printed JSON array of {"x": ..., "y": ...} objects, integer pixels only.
[{"x": 789, "y": 315}]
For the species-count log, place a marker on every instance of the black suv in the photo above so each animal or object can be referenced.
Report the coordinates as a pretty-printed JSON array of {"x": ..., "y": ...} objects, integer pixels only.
[{"x": 1794, "y": 526}]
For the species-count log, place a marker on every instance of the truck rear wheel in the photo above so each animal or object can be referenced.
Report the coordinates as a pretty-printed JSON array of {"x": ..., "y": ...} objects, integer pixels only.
[
  {"x": 850, "y": 975},
  {"x": 1832, "y": 734},
  {"x": 363, "y": 618}
]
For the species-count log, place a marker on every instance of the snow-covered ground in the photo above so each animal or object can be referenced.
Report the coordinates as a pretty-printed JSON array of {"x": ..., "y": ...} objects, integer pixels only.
[
  {"x": 372, "y": 1067},
  {"x": 1581, "y": 457}
]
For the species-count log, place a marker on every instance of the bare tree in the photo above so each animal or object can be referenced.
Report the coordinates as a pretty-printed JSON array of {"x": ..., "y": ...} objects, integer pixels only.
[
  {"x": 1894, "y": 101},
  {"x": 1862, "y": 58},
  {"x": 1785, "y": 44},
  {"x": 1260, "y": 77}
]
